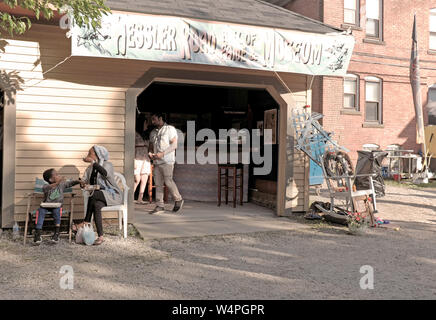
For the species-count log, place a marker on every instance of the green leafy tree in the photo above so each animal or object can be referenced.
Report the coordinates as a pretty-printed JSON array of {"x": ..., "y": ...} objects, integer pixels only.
[{"x": 85, "y": 12}]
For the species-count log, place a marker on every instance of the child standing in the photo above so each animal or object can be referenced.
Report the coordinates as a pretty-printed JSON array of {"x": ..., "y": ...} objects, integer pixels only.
[{"x": 53, "y": 193}]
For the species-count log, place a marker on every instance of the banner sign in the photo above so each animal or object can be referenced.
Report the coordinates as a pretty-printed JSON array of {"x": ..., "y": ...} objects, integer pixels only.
[{"x": 174, "y": 39}]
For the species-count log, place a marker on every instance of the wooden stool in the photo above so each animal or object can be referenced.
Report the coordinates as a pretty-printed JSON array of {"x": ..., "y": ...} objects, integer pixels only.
[
  {"x": 151, "y": 186},
  {"x": 238, "y": 172}
]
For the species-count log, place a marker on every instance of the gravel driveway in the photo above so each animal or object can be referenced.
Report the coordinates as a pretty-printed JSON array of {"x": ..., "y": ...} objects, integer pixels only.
[{"x": 312, "y": 261}]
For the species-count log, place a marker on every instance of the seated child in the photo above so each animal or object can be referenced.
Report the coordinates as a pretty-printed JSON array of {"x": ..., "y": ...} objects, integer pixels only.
[{"x": 53, "y": 192}]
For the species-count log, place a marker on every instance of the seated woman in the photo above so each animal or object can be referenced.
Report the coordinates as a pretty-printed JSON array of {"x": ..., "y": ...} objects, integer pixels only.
[{"x": 100, "y": 173}]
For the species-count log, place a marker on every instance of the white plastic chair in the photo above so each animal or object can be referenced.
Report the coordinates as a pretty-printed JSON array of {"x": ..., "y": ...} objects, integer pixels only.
[{"x": 122, "y": 208}]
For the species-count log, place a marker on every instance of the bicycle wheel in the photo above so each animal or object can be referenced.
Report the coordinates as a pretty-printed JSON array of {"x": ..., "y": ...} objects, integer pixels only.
[
  {"x": 345, "y": 166},
  {"x": 330, "y": 164}
]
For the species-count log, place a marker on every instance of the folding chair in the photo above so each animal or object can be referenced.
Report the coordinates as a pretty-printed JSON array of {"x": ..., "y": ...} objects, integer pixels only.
[{"x": 67, "y": 215}]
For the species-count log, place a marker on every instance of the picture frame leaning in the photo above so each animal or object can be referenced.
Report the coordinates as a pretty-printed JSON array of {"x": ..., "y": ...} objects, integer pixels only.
[{"x": 270, "y": 122}]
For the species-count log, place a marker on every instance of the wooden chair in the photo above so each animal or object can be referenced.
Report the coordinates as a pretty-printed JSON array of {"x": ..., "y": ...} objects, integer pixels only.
[
  {"x": 151, "y": 186},
  {"x": 121, "y": 209},
  {"x": 67, "y": 215}
]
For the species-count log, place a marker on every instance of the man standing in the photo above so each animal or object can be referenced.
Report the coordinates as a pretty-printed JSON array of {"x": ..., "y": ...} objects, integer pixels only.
[{"x": 163, "y": 143}]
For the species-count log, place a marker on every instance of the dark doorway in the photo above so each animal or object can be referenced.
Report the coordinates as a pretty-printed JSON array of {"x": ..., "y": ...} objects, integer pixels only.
[{"x": 213, "y": 108}]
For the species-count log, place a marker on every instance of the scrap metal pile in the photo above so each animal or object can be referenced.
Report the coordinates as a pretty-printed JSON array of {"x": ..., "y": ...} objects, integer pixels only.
[{"x": 350, "y": 192}]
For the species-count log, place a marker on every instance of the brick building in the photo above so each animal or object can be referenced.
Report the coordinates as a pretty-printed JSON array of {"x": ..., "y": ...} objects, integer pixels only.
[{"x": 374, "y": 104}]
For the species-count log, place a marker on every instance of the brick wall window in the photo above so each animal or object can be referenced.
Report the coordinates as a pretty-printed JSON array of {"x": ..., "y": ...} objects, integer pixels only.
[
  {"x": 374, "y": 18},
  {"x": 351, "y": 92},
  {"x": 351, "y": 12},
  {"x": 432, "y": 27},
  {"x": 373, "y": 100},
  {"x": 431, "y": 104}
]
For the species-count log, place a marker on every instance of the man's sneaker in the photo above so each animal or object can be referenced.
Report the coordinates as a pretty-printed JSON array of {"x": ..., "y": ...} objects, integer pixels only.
[
  {"x": 157, "y": 210},
  {"x": 37, "y": 239},
  {"x": 178, "y": 205},
  {"x": 55, "y": 237}
]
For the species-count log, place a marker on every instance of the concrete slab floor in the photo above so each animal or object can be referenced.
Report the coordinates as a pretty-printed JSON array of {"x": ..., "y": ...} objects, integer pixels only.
[{"x": 206, "y": 218}]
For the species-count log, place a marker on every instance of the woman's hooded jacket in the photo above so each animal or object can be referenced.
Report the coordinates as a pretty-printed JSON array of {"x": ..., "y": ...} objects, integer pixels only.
[{"x": 110, "y": 189}]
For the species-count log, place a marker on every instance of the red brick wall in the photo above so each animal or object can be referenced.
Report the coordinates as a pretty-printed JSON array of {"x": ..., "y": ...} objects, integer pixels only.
[
  {"x": 388, "y": 61},
  {"x": 308, "y": 8}
]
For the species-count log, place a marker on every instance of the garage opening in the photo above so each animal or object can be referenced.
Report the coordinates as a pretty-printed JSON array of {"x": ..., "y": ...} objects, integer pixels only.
[{"x": 213, "y": 108}]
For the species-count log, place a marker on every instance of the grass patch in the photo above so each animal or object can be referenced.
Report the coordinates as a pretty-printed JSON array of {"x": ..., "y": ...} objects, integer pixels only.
[{"x": 133, "y": 232}]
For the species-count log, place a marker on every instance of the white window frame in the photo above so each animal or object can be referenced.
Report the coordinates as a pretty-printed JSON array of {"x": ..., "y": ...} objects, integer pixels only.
[
  {"x": 432, "y": 31},
  {"x": 356, "y": 78},
  {"x": 356, "y": 10},
  {"x": 431, "y": 104},
  {"x": 379, "y": 20},
  {"x": 380, "y": 102}
]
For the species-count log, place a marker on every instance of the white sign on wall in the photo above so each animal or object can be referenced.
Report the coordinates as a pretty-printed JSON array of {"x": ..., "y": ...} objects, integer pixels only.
[{"x": 174, "y": 39}]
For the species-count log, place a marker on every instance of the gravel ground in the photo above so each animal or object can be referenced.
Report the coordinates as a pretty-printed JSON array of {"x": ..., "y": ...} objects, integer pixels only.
[{"x": 314, "y": 260}]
